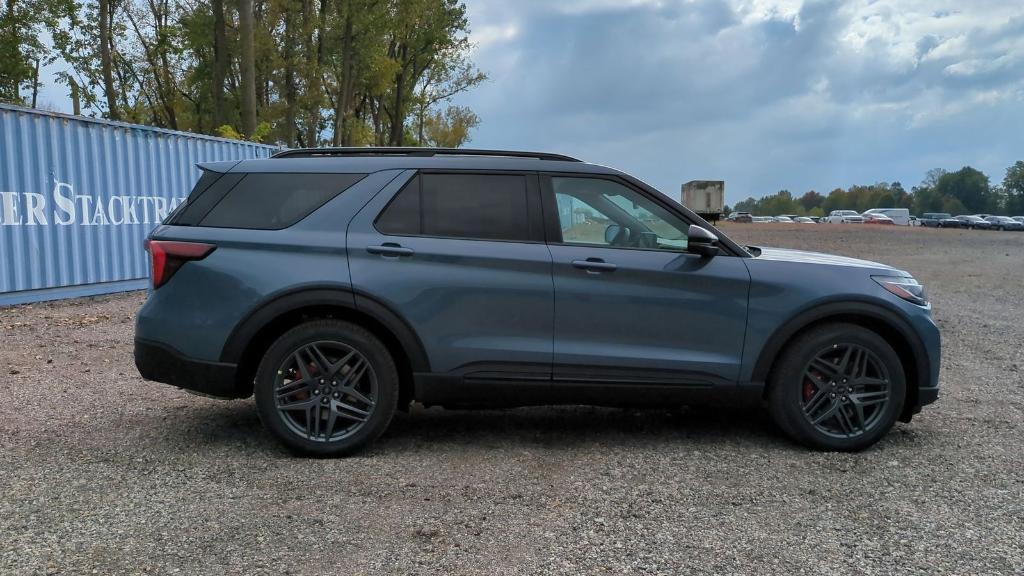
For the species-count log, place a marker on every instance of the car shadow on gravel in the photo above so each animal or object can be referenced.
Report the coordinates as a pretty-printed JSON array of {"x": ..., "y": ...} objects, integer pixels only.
[{"x": 234, "y": 424}]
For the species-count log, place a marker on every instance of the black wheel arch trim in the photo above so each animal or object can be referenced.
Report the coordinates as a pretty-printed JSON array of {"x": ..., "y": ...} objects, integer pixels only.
[
  {"x": 864, "y": 309},
  {"x": 282, "y": 303}
]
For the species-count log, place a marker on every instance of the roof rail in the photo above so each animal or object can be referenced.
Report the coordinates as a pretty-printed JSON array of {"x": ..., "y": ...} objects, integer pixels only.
[{"x": 411, "y": 151}]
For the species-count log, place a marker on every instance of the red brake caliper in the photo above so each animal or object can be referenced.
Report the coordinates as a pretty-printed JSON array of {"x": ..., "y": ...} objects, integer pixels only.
[{"x": 808, "y": 389}]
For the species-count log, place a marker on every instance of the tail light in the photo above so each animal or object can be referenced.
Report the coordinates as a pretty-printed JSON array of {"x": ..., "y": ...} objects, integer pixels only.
[{"x": 167, "y": 256}]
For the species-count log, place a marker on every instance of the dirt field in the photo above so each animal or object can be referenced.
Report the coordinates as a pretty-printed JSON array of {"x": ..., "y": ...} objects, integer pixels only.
[{"x": 102, "y": 472}]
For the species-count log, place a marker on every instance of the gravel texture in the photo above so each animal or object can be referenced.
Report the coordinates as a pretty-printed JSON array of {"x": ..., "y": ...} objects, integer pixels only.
[{"x": 102, "y": 472}]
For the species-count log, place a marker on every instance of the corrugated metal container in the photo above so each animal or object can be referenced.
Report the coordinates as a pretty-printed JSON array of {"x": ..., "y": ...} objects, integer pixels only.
[
  {"x": 78, "y": 196},
  {"x": 705, "y": 197}
]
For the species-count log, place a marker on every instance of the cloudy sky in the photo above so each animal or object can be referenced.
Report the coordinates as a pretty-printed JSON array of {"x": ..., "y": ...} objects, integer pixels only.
[{"x": 764, "y": 94}]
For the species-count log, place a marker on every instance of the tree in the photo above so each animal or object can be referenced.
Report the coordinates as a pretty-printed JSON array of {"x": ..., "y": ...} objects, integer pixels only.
[
  {"x": 969, "y": 186},
  {"x": 448, "y": 129},
  {"x": 301, "y": 72},
  {"x": 247, "y": 65},
  {"x": 1013, "y": 188},
  {"x": 811, "y": 200}
]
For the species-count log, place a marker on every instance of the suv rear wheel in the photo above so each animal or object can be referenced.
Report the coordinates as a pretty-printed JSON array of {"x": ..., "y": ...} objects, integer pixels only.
[
  {"x": 837, "y": 387},
  {"x": 327, "y": 388}
]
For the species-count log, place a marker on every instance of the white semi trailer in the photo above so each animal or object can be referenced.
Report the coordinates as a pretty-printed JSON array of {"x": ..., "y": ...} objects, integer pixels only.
[{"x": 705, "y": 197}]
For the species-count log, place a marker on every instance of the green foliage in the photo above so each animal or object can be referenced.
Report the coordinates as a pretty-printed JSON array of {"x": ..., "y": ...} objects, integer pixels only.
[
  {"x": 344, "y": 72},
  {"x": 1013, "y": 189},
  {"x": 449, "y": 128},
  {"x": 969, "y": 186},
  {"x": 966, "y": 191}
]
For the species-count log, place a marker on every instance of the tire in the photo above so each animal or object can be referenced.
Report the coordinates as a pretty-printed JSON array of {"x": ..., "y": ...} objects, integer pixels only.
[
  {"x": 796, "y": 385},
  {"x": 356, "y": 404}
]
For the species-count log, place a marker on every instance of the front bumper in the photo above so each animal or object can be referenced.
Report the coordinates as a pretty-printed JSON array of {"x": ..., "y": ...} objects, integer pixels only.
[{"x": 162, "y": 363}]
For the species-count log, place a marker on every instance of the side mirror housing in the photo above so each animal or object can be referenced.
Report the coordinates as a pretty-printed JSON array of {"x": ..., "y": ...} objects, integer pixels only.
[
  {"x": 615, "y": 235},
  {"x": 702, "y": 242}
]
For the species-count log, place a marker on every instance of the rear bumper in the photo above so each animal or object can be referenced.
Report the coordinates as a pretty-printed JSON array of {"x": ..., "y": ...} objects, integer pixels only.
[{"x": 162, "y": 363}]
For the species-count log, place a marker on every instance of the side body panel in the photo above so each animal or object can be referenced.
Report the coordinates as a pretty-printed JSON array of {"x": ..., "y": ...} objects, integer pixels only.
[
  {"x": 659, "y": 316},
  {"x": 196, "y": 312},
  {"x": 480, "y": 307}
]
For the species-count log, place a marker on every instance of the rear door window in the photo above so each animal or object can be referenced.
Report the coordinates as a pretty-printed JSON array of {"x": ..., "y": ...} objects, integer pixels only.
[{"x": 470, "y": 206}]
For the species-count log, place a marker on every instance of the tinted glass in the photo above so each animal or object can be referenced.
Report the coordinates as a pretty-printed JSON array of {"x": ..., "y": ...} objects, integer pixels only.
[
  {"x": 276, "y": 201},
  {"x": 476, "y": 206},
  {"x": 595, "y": 211},
  {"x": 402, "y": 216}
]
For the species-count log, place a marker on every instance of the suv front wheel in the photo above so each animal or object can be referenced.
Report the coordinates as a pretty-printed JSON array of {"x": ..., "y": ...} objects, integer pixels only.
[
  {"x": 837, "y": 387},
  {"x": 326, "y": 388}
]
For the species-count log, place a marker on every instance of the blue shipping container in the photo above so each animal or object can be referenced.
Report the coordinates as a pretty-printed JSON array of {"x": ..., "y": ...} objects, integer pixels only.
[{"x": 78, "y": 196}]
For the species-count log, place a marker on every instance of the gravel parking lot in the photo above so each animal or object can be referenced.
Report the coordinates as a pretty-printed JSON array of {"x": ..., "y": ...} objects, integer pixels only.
[{"x": 102, "y": 472}]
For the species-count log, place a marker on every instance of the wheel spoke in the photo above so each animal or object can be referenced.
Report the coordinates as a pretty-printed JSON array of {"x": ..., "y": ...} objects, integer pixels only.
[
  {"x": 358, "y": 396},
  {"x": 301, "y": 366},
  {"x": 825, "y": 415},
  {"x": 869, "y": 398},
  {"x": 355, "y": 372},
  {"x": 332, "y": 417},
  {"x": 828, "y": 369},
  {"x": 294, "y": 387},
  {"x": 844, "y": 421},
  {"x": 313, "y": 420},
  {"x": 321, "y": 361},
  {"x": 351, "y": 412},
  {"x": 816, "y": 402},
  {"x": 299, "y": 405}
]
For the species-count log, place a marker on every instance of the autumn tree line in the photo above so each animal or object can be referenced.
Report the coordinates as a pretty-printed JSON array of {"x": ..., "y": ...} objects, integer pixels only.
[
  {"x": 965, "y": 191},
  {"x": 295, "y": 72}
]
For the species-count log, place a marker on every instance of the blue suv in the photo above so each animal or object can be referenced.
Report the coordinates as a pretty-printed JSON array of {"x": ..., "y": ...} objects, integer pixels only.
[{"x": 339, "y": 285}]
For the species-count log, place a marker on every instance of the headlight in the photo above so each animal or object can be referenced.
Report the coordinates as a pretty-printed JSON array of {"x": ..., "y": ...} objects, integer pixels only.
[{"x": 905, "y": 287}]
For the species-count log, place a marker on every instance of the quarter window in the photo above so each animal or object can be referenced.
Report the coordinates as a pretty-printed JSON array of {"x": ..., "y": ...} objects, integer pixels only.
[
  {"x": 275, "y": 201},
  {"x": 602, "y": 212},
  {"x": 474, "y": 206}
]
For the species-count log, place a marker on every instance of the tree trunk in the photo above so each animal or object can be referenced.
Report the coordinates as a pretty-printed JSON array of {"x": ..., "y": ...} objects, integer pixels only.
[
  {"x": 106, "y": 59},
  {"x": 220, "y": 63},
  {"x": 290, "y": 91},
  {"x": 347, "y": 84},
  {"x": 35, "y": 84},
  {"x": 397, "y": 115},
  {"x": 248, "y": 67},
  {"x": 76, "y": 103}
]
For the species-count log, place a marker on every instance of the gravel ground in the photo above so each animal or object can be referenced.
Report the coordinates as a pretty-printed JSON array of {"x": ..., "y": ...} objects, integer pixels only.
[{"x": 102, "y": 472}]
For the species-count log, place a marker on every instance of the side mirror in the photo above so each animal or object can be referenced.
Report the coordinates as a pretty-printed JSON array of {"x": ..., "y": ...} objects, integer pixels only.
[
  {"x": 615, "y": 235},
  {"x": 702, "y": 242}
]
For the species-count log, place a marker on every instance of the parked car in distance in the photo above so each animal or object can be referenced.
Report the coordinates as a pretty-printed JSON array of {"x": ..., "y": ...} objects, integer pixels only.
[
  {"x": 784, "y": 219},
  {"x": 1004, "y": 223},
  {"x": 762, "y": 219},
  {"x": 804, "y": 220},
  {"x": 877, "y": 218},
  {"x": 913, "y": 221},
  {"x": 973, "y": 222},
  {"x": 844, "y": 217},
  {"x": 338, "y": 286},
  {"x": 743, "y": 217},
  {"x": 939, "y": 220},
  {"x": 1018, "y": 219},
  {"x": 899, "y": 216}
]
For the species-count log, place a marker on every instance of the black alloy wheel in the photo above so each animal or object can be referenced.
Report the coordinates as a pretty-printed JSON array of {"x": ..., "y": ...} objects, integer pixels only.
[
  {"x": 845, "y": 390},
  {"x": 837, "y": 387},
  {"x": 325, "y": 391},
  {"x": 327, "y": 388}
]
